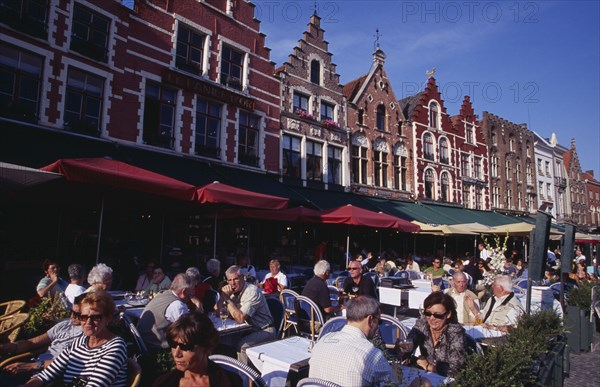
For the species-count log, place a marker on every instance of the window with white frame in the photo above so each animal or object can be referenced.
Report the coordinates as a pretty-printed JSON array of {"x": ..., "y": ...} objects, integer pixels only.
[
  {"x": 509, "y": 199},
  {"x": 208, "y": 128},
  {"x": 429, "y": 184},
  {"x": 495, "y": 196},
  {"x": 20, "y": 86},
  {"x": 467, "y": 195},
  {"x": 493, "y": 138},
  {"x": 528, "y": 148},
  {"x": 248, "y": 139},
  {"x": 359, "y": 160},
  {"x": 380, "y": 163},
  {"x": 465, "y": 169},
  {"x": 400, "y": 167},
  {"x": 470, "y": 134},
  {"x": 547, "y": 169},
  {"x": 315, "y": 71},
  {"x": 494, "y": 163},
  {"x": 511, "y": 143},
  {"x": 445, "y": 187},
  {"x": 428, "y": 146},
  {"x": 380, "y": 119},
  {"x": 519, "y": 200},
  {"x": 232, "y": 66},
  {"x": 28, "y": 16},
  {"x": 159, "y": 115},
  {"x": 314, "y": 161},
  {"x": 326, "y": 111},
  {"x": 508, "y": 170},
  {"x": 539, "y": 167},
  {"x": 190, "y": 50},
  {"x": 334, "y": 165},
  {"x": 549, "y": 191},
  {"x": 478, "y": 198},
  {"x": 529, "y": 172},
  {"x": 300, "y": 103},
  {"x": 89, "y": 33},
  {"x": 477, "y": 167},
  {"x": 541, "y": 189},
  {"x": 444, "y": 158},
  {"x": 518, "y": 170},
  {"x": 83, "y": 102},
  {"x": 434, "y": 115}
]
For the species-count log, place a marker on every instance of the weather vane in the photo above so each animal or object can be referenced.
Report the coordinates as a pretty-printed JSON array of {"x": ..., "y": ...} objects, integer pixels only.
[
  {"x": 377, "y": 36},
  {"x": 430, "y": 73},
  {"x": 315, "y": 11}
]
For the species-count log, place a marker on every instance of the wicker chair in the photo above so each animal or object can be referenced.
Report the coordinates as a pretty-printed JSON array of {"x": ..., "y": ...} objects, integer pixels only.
[
  {"x": 134, "y": 372},
  {"x": 11, "y": 307},
  {"x": 10, "y": 326}
]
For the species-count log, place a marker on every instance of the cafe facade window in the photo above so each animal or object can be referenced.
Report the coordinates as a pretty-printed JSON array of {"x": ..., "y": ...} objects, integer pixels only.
[
  {"x": 444, "y": 187},
  {"x": 28, "y": 16},
  {"x": 494, "y": 163},
  {"x": 334, "y": 165},
  {"x": 429, "y": 184},
  {"x": 314, "y": 161},
  {"x": 190, "y": 50},
  {"x": 470, "y": 133},
  {"x": 381, "y": 119},
  {"x": 359, "y": 160},
  {"x": 232, "y": 67},
  {"x": 89, "y": 33},
  {"x": 465, "y": 169},
  {"x": 400, "y": 167},
  {"x": 380, "y": 163},
  {"x": 428, "y": 152},
  {"x": 249, "y": 139},
  {"x": 315, "y": 71},
  {"x": 83, "y": 102},
  {"x": 477, "y": 167},
  {"x": 444, "y": 158},
  {"x": 327, "y": 110},
  {"x": 434, "y": 115},
  {"x": 300, "y": 102},
  {"x": 478, "y": 198},
  {"x": 208, "y": 128},
  {"x": 467, "y": 195},
  {"x": 159, "y": 115},
  {"x": 21, "y": 74},
  {"x": 292, "y": 156}
]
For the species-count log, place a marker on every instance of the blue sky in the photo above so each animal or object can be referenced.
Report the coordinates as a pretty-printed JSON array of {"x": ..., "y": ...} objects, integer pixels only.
[{"x": 533, "y": 62}]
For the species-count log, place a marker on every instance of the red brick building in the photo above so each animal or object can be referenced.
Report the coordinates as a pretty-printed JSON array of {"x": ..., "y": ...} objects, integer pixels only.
[
  {"x": 592, "y": 187},
  {"x": 314, "y": 141},
  {"x": 435, "y": 153},
  {"x": 473, "y": 155},
  {"x": 381, "y": 147},
  {"x": 576, "y": 186},
  {"x": 183, "y": 77}
]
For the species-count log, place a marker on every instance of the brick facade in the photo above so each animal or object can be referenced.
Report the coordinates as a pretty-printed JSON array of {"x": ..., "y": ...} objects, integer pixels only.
[{"x": 576, "y": 186}]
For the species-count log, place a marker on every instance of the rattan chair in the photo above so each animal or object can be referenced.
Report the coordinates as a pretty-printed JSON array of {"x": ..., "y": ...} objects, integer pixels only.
[
  {"x": 11, "y": 307},
  {"x": 316, "y": 382},
  {"x": 391, "y": 329},
  {"x": 10, "y": 326},
  {"x": 250, "y": 377},
  {"x": 288, "y": 299},
  {"x": 310, "y": 318}
]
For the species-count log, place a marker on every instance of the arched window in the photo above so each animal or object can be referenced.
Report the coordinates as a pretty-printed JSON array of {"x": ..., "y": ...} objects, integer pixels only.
[
  {"x": 400, "y": 166},
  {"x": 445, "y": 187},
  {"x": 381, "y": 118},
  {"x": 359, "y": 160},
  {"x": 428, "y": 146},
  {"x": 493, "y": 138},
  {"x": 433, "y": 115},
  {"x": 429, "y": 183},
  {"x": 315, "y": 72},
  {"x": 380, "y": 163},
  {"x": 444, "y": 151}
]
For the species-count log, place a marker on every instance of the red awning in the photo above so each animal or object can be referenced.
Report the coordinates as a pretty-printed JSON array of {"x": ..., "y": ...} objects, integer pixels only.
[
  {"x": 219, "y": 193},
  {"x": 357, "y": 216},
  {"x": 121, "y": 175},
  {"x": 296, "y": 214}
]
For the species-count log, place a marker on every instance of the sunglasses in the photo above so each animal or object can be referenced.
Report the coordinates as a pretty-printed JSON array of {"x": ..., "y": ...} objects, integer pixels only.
[
  {"x": 354, "y": 268},
  {"x": 77, "y": 315},
  {"x": 183, "y": 347},
  {"x": 438, "y": 262},
  {"x": 439, "y": 316},
  {"x": 94, "y": 317}
]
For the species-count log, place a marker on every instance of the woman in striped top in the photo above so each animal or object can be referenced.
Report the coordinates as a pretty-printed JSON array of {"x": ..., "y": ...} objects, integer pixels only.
[{"x": 96, "y": 358}]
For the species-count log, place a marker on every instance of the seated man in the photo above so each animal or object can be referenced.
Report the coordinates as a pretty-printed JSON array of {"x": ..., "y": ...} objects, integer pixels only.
[
  {"x": 75, "y": 288},
  {"x": 159, "y": 282},
  {"x": 503, "y": 309},
  {"x": 56, "y": 339},
  {"x": 357, "y": 284},
  {"x": 435, "y": 271},
  {"x": 316, "y": 288},
  {"x": 275, "y": 281},
  {"x": 347, "y": 357},
  {"x": 166, "y": 307},
  {"x": 467, "y": 303},
  {"x": 245, "y": 302}
]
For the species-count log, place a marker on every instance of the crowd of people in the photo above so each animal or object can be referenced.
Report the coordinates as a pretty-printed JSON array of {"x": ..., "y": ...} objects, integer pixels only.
[{"x": 85, "y": 350}]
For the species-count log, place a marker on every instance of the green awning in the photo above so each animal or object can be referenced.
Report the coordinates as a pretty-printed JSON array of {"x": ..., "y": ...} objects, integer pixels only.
[
  {"x": 324, "y": 200},
  {"x": 410, "y": 211}
]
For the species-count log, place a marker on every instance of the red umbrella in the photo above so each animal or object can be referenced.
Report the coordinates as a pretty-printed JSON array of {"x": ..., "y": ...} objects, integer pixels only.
[
  {"x": 218, "y": 193},
  {"x": 117, "y": 174},
  {"x": 357, "y": 216},
  {"x": 295, "y": 214}
]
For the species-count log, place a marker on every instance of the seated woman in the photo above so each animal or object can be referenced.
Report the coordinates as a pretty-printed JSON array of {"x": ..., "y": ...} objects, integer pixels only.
[
  {"x": 96, "y": 358},
  {"x": 275, "y": 281},
  {"x": 439, "y": 337},
  {"x": 100, "y": 278},
  {"x": 51, "y": 284},
  {"x": 192, "y": 339}
]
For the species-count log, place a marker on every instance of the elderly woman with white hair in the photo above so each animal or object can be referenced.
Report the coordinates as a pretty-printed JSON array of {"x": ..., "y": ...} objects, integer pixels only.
[
  {"x": 316, "y": 288},
  {"x": 503, "y": 309},
  {"x": 100, "y": 278}
]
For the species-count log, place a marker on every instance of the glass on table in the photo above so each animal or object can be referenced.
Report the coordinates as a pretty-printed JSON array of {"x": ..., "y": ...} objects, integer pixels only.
[
  {"x": 404, "y": 348},
  {"x": 223, "y": 315}
]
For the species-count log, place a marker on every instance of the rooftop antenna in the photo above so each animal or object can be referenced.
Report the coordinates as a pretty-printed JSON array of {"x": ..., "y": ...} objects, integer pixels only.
[
  {"x": 315, "y": 10},
  {"x": 377, "y": 36}
]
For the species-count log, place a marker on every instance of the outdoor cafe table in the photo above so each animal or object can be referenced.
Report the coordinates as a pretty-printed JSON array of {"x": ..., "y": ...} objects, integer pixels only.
[{"x": 273, "y": 360}]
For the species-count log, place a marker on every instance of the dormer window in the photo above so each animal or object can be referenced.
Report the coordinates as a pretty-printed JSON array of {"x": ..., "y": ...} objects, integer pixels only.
[
  {"x": 315, "y": 72},
  {"x": 470, "y": 138},
  {"x": 190, "y": 49},
  {"x": 433, "y": 115},
  {"x": 381, "y": 118}
]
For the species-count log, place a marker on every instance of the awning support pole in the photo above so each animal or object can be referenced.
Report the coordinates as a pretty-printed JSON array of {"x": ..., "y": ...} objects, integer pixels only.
[{"x": 100, "y": 230}]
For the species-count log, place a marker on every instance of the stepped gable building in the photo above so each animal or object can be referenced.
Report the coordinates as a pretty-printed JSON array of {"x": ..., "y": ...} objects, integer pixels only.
[
  {"x": 473, "y": 155},
  {"x": 592, "y": 187},
  {"x": 512, "y": 167},
  {"x": 314, "y": 140},
  {"x": 550, "y": 177},
  {"x": 380, "y": 146},
  {"x": 179, "y": 77},
  {"x": 435, "y": 154},
  {"x": 577, "y": 187}
]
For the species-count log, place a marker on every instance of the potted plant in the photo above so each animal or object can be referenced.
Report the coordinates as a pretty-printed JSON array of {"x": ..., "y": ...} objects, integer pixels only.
[
  {"x": 580, "y": 328},
  {"x": 43, "y": 316}
]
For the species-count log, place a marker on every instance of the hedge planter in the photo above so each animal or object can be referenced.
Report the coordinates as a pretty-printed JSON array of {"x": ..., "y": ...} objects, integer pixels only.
[{"x": 580, "y": 331}]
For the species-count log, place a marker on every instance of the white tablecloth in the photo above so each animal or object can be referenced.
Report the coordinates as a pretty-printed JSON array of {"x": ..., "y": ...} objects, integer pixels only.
[
  {"x": 274, "y": 359},
  {"x": 481, "y": 332},
  {"x": 409, "y": 374}
]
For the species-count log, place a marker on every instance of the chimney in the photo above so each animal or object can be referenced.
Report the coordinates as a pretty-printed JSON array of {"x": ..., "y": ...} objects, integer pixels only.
[{"x": 590, "y": 172}]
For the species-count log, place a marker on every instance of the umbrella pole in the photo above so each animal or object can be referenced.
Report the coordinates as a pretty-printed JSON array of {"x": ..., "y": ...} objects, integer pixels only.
[
  {"x": 379, "y": 252},
  {"x": 100, "y": 230},
  {"x": 215, "y": 235},
  {"x": 162, "y": 238},
  {"x": 60, "y": 214},
  {"x": 347, "y": 245}
]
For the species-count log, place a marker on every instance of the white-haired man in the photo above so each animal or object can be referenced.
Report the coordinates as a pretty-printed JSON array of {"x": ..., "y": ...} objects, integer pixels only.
[
  {"x": 467, "y": 303},
  {"x": 503, "y": 309},
  {"x": 316, "y": 288},
  {"x": 347, "y": 357}
]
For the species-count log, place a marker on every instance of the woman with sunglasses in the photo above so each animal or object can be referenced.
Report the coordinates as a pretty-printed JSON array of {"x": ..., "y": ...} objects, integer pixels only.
[
  {"x": 96, "y": 358},
  {"x": 191, "y": 339},
  {"x": 439, "y": 337}
]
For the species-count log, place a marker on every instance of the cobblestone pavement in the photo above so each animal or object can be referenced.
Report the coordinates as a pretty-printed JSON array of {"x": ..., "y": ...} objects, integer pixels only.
[{"x": 585, "y": 367}]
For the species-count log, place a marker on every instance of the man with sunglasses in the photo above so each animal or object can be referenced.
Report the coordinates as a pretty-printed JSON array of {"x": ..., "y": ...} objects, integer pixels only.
[
  {"x": 435, "y": 271},
  {"x": 347, "y": 357},
  {"x": 357, "y": 284},
  {"x": 56, "y": 339}
]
